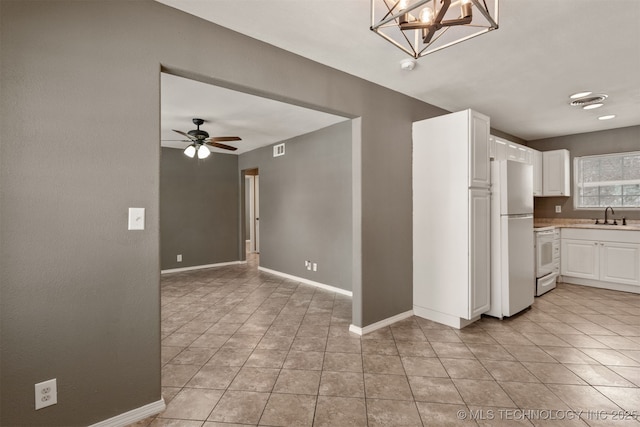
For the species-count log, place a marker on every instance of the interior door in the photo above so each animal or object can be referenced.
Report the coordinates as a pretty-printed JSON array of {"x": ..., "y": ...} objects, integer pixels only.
[{"x": 256, "y": 209}]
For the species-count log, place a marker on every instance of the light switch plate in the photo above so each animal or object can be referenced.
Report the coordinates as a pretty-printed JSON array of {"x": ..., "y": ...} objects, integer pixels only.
[
  {"x": 558, "y": 208},
  {"x": 136, "y": 218}
]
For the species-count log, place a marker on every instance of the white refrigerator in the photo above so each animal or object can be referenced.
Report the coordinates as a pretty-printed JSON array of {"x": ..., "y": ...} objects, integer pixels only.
[{"x": 512, "y": 249}]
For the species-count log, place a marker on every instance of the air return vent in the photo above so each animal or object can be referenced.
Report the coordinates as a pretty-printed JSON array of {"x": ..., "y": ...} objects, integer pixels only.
[{"x": 278, "y": 150}]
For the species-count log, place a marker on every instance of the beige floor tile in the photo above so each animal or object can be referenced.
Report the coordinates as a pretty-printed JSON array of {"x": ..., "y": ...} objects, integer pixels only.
[
  {"x": 582, "y": 341},
  {"x": 465, "y": 368},
  {"x": 255, "y": 379},
  {"x": 194, "y": 356},
  {"x": 618, "y": 343},
  {"x": 342, "y": 362},
  {"x": 553, "y": 373},
  {"x": 214, "y": 377},
  {"x": 275, "y": 342},
  {"x": 435, "y": 390},
  {"x": 415, "y": 348},
  {"x": 528, "y": 353},
  {"x": 192, "y": 404},
  {"x": 569, "y": 355},
  {"x": 424, "y": 367},
  {"x": 386, "y": 347},
  {"x": 510, "y": 338},
  {"x": 599, "y": 375},
  {"x": 625, "y": 397},
  {"x": 266, "y": 359},
  {"x": 483, "y": 393},
  {"x": 513, "y": 371},
  {"x": 408, "y": 334},
  {"x": 379, "y": 386},
  {"x": 610, "y": 357},
  {"x": 392, "y": 413},
  {"x": 343, "y": 345},
  {"x": 490, "y": 352},
  {"x": 443, "y": 415},
  {"x": 167, "y": 353},
  {"x": 309, "y": 360},
  {"x": 226, "y": 356},
  {"x": 533, "y": 396},
  {"x": 582, "y": 397},
  {"x": 497, "y": 417},
  {"x": 630, "y": 373},
  {"x": 452, "y": 350},
  {"x": 309, "y": 343},
  {"x": 297, "y": 382},
  {"x": 441, "y": 335},
  {"x": 340, "y": 411},
  {"x": 546, "y": 339},
  {"x": 289, "y": 410},
  {"x": 243, "y": 341},
  {"x": 345, "y": 384},
  {"x": 164, "y": 422},
  {"x": 243, "y": 407},
  {"x": 381, "y": 364},
  {"x": 177, "y": 375},
  {"x": 168, "y": 393}
]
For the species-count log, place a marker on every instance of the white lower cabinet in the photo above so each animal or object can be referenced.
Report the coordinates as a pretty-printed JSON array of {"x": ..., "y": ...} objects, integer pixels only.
[{"x": 604, "y": 258}]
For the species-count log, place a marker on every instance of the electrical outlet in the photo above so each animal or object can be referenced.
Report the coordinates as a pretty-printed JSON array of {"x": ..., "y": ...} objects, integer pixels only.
[
  {"x": 179, "y": 258},
  {"x": 558, "y": 209},
  {"x": 46, "y": 394},
  {"x": 308, "y": 265},
  {"x": 315, "y": 266}
]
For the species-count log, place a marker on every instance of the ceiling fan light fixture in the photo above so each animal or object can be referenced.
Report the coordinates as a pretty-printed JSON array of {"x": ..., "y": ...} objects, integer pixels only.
[
  {"x": 592, "y": 106},
  {"x": 203, "y": 152},
  {"x": 580, "y": 95},
  {"x": 421, "y": 27},
  {"x": 190, "y": 151}
]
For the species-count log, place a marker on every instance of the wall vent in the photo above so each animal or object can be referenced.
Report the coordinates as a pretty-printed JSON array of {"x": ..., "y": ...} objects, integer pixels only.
[{"x": 278, "y": 150}]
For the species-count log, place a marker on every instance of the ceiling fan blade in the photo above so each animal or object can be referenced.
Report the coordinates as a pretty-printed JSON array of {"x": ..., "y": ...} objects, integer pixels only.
[
  {"x": 185, "y": 134},
  {"x": 225, "y": 138},
  {"x": 223, "y": 146}
]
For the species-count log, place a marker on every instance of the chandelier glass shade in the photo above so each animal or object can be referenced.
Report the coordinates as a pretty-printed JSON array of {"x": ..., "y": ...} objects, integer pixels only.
[{"x": 421, "y": 27}]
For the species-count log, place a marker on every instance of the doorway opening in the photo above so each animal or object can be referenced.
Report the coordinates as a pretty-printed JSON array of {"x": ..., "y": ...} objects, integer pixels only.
[{"x": 252, "y": 212}]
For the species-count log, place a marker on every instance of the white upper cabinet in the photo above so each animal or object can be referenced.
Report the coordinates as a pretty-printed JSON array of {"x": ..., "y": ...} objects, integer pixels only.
[
  {"x": 537, "y": 172},
  {"x": 479, "y": 172},
  {"x": 556, "y": 173}
]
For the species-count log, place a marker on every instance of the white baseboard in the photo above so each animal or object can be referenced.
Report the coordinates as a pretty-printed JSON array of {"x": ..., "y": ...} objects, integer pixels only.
[
  {"x": 133, "y": 416},
  {"x": 381, "y": 324},
  {"x": 307, "y": 281},
  {"x": 598, "y": 284},
  {"x": 200, "y": 267},
  {"x": 445, "y": 319}
]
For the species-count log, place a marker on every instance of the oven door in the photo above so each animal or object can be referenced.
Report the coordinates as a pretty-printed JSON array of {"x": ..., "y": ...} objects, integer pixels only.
[{"x": 544, "y": 253}]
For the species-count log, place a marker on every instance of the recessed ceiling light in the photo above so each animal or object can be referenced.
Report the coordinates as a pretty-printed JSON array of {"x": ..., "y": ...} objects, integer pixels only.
[
  {"x": 592, "y": 106},
  {"x": 609, "y": 117},
  {"x": 580, "y": 95}
]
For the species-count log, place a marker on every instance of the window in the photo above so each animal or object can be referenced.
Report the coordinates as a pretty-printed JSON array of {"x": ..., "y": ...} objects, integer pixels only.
[{"x": 607, "y": 180}]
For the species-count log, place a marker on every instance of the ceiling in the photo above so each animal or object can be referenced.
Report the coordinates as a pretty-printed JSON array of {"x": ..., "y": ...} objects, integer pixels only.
[
  {"x": 520, "y": 75},
  {"x": 258, "y": 121}
]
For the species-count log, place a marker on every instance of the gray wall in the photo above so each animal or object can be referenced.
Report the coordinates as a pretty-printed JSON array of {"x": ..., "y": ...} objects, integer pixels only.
[
  {"x": 305, "y": 205},
  {"x": 80, "y": 293},
  {"x": 198, "y": 209},
  {"x": 604, "y": 142}
]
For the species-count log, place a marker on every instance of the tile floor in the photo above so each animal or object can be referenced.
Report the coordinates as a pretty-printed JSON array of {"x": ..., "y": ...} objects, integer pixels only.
[{"x": 241, "y": 347}]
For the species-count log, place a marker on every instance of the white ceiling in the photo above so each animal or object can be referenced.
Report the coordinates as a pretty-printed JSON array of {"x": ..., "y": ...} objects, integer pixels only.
[
  {"x": 521, "y": 75},
  {"x": 258, "y": 121}
]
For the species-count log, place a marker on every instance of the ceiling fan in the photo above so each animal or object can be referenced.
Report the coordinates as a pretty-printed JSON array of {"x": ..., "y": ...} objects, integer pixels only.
[{"x": 198, "y": 138}]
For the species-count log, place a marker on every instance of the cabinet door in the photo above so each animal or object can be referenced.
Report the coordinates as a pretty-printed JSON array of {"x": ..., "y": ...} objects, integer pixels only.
[
  {"x": 620, "y": 263},
  {"x": 479, "y": 253},
  {"x": 555, "y": 173},
  {"x": 579, "y": 258},
  {"x": 537, "y": 173},
  {"x": 479, "y": 173}
]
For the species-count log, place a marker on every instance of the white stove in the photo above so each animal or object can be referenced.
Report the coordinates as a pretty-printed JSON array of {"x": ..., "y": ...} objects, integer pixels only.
[{"x": 547, "y": 257}]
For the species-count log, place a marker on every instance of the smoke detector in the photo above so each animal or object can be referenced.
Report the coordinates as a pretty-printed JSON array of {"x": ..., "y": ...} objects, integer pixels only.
[{"x": 408, "y": 64}]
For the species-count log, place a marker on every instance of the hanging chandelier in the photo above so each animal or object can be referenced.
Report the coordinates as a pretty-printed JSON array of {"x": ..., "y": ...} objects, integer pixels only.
[{"x": 421, "y": 27}]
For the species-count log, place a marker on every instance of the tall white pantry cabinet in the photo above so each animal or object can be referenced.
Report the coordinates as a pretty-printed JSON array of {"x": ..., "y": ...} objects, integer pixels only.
[{"x": 451, "y": 218}]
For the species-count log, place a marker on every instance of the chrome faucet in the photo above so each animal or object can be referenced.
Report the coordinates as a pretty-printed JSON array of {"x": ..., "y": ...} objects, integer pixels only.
[{"x": 606, "y": 221}]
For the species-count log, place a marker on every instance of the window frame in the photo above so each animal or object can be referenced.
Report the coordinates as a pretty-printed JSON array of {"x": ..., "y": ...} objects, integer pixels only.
[{"x": 576, "y": 188}]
